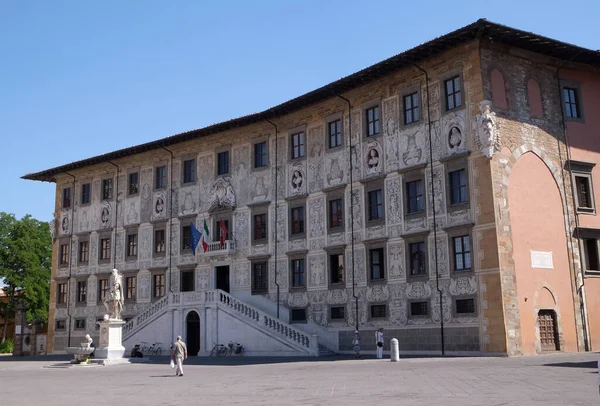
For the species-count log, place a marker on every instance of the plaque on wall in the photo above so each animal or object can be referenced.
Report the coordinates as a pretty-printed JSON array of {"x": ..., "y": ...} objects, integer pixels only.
[{"x": 541, "y": 259}]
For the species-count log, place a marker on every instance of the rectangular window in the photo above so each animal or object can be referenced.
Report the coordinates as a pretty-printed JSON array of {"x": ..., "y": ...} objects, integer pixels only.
[
  {"x": 133, "y": 183},
  {"x": 186, "y": 237},
  {"x": 61, "y": 324},
  {"x": 338, "y": 313},
  {"x": 86, "y": 193},
  {"x": 160, "y": 177},
  {"x": 411, "y": 108},
  {"x": 462, "y": 253},
  {"x": 189, "y": 171},
  {"x": 223, "y": 163},
  {"x": 297, "y": 220},
  {"x": 336, "y": 213},
  {"x": 417, "y": 258},
  {"x": 64, "y": 254},
  {"x": 66, "y": 198},
  {"x": 378, "y": 311},
  {"x": 84, "y": 251},
  {"x": 104, "y": 248},
  {"x": 159, "y": 241},
  {"x": 415, "y": 201},
  {"x": 376, "y": 264},
  {"x": 107, "y": 189},
  {"x": 259, "y": 277},
  {"x": 298, "y": 315},
  {"x": 217, "y": 226},
  {"x": 336, "y": 268},
  {"x": 298, "y": 274},
  {"x": 260, "y": 226},
  {"x": 187, "y": 281},
  {"x": 102, "y": 289},
  {"x": 453, "y": 94},
  {"x": 132, "y": 245},
  {"x": 458, "y": 186},
  {"x": 372, "y": 115},
  {"x": 61, "y": 293},
  {"x": 81, "y": 291},
  {"x": 375, "y": 205},
  {"x": 334, "y": 129},
  {"x": 158, "y": 285},
  {"x": 130, "y": 287},
  {"x": 590, "y": 249},
  {"x": 572, "y": 109},
  {"x": 419, "y": 309},
  {"x": 79, "y": 324},
  {"x": 260, "y": 155},
  {"x": 584, "y": 193},
  {"x": 298, "y": 143},
  {"x": 465, "y": 306}
]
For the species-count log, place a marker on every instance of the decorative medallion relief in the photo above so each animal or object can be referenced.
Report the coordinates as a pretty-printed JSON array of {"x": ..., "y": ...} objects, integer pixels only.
[
  {"x": 297, "y": 185},
  {"x": 373, "y": 158},
  {"x": 378, "y": 293},
  {"x": 105, "y": 215},
  {"x": 298, "y": 299},
  {"x": 338, "y": 296},
  {"x": 418, "y": 290},
  {"x": 454, "y": 133},
  {"x": 159, "y": 210},
  {"x": 488, "y": 136},
  {"x": 65, "y": 224}
]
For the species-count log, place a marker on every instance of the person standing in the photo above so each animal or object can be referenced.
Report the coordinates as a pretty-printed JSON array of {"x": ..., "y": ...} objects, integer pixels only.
[
  {"x": 379, "y": 342},
  {"x": 179, "y": 352},
  {"x": 356, "y": 343}
]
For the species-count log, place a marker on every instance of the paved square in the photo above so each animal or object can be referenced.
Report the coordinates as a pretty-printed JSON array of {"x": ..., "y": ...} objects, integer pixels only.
[{"x": 557, "y": 379}]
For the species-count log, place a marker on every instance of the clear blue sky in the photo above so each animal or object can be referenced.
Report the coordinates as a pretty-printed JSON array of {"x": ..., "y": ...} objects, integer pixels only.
[{"x": 82, "y": 78}]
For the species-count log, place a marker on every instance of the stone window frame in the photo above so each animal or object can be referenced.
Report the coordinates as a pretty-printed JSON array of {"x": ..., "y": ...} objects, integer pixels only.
[
  {"x": 132, "y": 231},
  {"x": 364, "y": 108},
  {"x": 153, "y": 274},
  {"x": 67, "y": 196},
  {"x": 411, "y": 176},
  {"x": 294, "y": 204},
  {"x": 339, "y": 306},
  {"x": 100, "y": 295},
  {"x": 77, "y": 325},
  {"x": 130, "y": 172},
  {"x": 376, "y": 245},
  {"x": 80, "y": 240},
  {"x": 259, "y": 290},
  {"x": 104, "y": 181},
  {"x": 416, "y": 238},
  {"x": 292, "y": 258},
  {"x": 332, "y": 195},
  {"x": 156, "y": 167},
  {"x": 59, "y": 283},
  {"x": 219, "y": 150},
  {"x": 372, "y": 186},
  {"x": 64, "y": 258},
  {"x": 576, "y": 86},
  {"x": 293, "y": 131},
  {"x": 188, "y": 158},
  {"x": 216, "y": 221},
  {"x": 89, "y": 194},
  {"x": 452, "y": 165},
  {"x": 260, "y": 140},
  {"x": 372, "y": 305},
  {"x": 455, "y": 232},
  {"x": 336, "y": 251},
  {"x": 62, "y": 326},
  {"x": 339, "y": 116},
  {"x": 292, "y": 321},
  {"x": 410, "y": 90},
  {"x": 187, "y": 270},
  {"x": 409, "y": 314},
  {"x": 78, "y": 295},
  {"x": 101, "y": 237},
  {"x": 157, "y": 227},
  {"x": 589, "y": 234},
  {"x": 185, "y": 222},
  {"x": 443, "y": 79},
  {"x": 259, "y": 210},
  {"x": 126, "y": 276},
  {"x": 583, "y": 170},
  {"x": 465, "y": 297}
]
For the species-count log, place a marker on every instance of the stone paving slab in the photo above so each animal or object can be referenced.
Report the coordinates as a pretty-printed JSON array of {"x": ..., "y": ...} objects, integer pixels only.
[{"x": 549, "y": 380}]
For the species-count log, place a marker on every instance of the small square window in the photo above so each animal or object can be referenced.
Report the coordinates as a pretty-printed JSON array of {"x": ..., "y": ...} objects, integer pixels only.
[
  {"x": 453, "y": 93},
  {"x": 298, "y": 273},
  {"x": 571, "y": 100},
  {"x": 159, "y": 241},
  {"x": 66, "y": 198},
  {"x": 338, "y": 313},
  {"x": 133, "y": 183},
  {"x": 376, "y": 268},
  {"x": 104, "y": 249},
  {"x": 187, "y": 281},
  {"x": 298, "y": 145},
  {"x": 465, "y": 306},
  {"x": 160, "y": 177},
  {"x": 223, "y": 163},
  {"x": 261, "y": 158},
  {"x": 417, "y": 258},
  {"x": 189, "y": 171},
  {"x": 79, "y": 324},
  {"x": 458, "y": 186},
  {"x": 86, "y": 193},
  {"x": 64, "y": 254},
  {"x": 411, "y": 108},
  {"x": 107, "y": 189},
  {"x": 130, "y": 287},
  {"x": 61, "y": 325},
  {"x": 260, "y": 226},
  {"x": 415, "y": 198},
  {"x": 419, "y": 309},
  {"x": 84, "y": 251},
  {"x": 298, "y": 315},
  {"x": 334, "y": 130},
  {"x": 375, "y": 205},
  {"x": 373, "y": 121},
  {"x": 336, "y": 268},
  {"x": 259, "y": 277},
  {"x": 132, "y": 245},
  {"x": 297, "y": 218},
  {"x": 336, "y": 213},
  {"x": 378, "y": 311}
]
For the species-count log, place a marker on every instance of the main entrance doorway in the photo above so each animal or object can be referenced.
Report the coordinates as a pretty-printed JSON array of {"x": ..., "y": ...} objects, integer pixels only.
[
  {"x": 548, "y": 331},
  {"x": 222, "y": 278},
  {"x": 192, "y": 339}
]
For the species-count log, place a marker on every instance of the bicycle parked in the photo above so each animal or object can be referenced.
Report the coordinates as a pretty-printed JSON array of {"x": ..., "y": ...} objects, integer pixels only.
[
  {"x": 235, "y": 348},
  {"x": 218, "y": 350}
]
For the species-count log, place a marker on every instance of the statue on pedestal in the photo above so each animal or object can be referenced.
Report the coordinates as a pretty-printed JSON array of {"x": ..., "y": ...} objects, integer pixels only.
[{"x": 113, "y": 300}]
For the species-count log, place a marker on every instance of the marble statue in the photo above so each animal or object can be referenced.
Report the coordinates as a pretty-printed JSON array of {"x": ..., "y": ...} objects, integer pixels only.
[
  {"x": 488, "y": 137},
  {"x": 113, "y": 300}
]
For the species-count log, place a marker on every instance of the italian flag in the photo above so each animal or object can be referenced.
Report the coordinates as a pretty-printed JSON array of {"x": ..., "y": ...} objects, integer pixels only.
[{"x": 205, "y": 237}]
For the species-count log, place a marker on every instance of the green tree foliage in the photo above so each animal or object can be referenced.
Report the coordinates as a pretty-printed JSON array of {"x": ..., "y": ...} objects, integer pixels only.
[{"x": 25, "y": 266}]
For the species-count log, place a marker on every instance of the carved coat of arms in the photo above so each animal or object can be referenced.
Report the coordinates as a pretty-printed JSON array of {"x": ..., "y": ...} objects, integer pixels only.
[{"x": 222, "y": 195}]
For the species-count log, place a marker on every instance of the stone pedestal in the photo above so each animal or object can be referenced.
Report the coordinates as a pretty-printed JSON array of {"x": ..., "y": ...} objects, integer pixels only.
[{"x": 111, "y": 340}]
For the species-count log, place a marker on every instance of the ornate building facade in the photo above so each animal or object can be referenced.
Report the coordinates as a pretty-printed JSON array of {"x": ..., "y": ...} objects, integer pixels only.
[{"x": 433, "y": 194}]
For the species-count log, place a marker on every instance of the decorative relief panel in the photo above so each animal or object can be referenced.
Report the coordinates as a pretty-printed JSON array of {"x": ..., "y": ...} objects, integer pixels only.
[
  {"x": 373, "y": 158},
  {"x": 454, "y": 133},
  {"x": 418, "y": 290},
  {"x": 439, "y": 185},
  {"x": 338, "y": 296},
  {"x": 84, "y": 220},
  {"x": 415, "y": 225},
  {"x": 93, "y": 249},
  {"x": 316, "y": 217},
  {"x": 446, "y": 303},
  {"x": 378, "y": 293},
  {"x": 145, "y": 242},
  {"x": 202, "y": 278},
  {"x": 362, "y": 308},
  {"x": 259, "y": 190},
  {"x": 394, "y": 207},
  {"x": 119, "y": 252},
  {"x": 391, "y": 133},
  {"x": 106, "y": 215},
  {"x": 222, "y": 195},
  {"x": 297, "y": 299},
  {"x": 375, "y": 232},
  {"x": 297, "y": 182},
  {"x": 356, "y": 150},
  {"x": 65, "y": 224},
  {"x": 159, "y": 206},
  {"x": 132, "y": 211},
  {"x": 243, "y": 165},
  {"x": 242, "y": 231},
  {"x": 335, "y": 239},
  {"x": 92, "y": 291},
  {"x": 442, "y": 256},
  {"x": 356, "y": 204},
  {"x": 282, "y": 275},
  {"x": 459, "y": 217},
  {"x": 174, "y": 283},
  {"x": 413, "y": 147},
  {"x": 281, "y": 225},
  {"x": 315, "y": 158},
  {"x": 466, "y": 285},
  {"x": 188, "y": 197},
  {"x": 317, "y": 313},
  {"x": 297, "y": 245},
  {"x": 316, "y": 244},
  {"x": 395, "y": 253},
  {"x": 360, "y": 272},
  {"x": 144, "y": 289},
  {"x": 241, "y": 274},
  {"x": 146, "y": 195},
  {"x": 206, "y": 172},
  {"x": 316, "y": 270},
  {"x": 335, "y": 173}
]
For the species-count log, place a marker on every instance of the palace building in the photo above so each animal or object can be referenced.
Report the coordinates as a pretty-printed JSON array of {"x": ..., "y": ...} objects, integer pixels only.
[{"x": 446, "y": 194}]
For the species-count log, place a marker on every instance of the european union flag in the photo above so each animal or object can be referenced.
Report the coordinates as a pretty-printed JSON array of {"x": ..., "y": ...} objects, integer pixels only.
[{"x": 196, "y": 235}]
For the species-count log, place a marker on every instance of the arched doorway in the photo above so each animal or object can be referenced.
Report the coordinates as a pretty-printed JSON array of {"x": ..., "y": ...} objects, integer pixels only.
[
  {"x": 192, "y": 322},
  {"x": 549, "y": 339}
]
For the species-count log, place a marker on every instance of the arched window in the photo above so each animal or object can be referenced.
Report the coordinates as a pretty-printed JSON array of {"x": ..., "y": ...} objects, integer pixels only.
[
  {"x": 498, "y": 89},
  {"x": 535, "y": 98}
]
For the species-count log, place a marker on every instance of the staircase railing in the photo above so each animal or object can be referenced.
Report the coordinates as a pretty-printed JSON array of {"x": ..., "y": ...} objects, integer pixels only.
[{"x": 144, "y": 318}]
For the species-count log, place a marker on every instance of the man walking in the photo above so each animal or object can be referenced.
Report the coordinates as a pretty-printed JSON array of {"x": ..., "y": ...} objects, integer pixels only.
[{"x": 179, "y": 353}]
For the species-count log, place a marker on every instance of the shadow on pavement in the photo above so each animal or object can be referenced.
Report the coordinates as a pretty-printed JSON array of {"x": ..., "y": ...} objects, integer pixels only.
[
  {"x": 49, "y": 357},
  {"x": 581, "y": 364}
]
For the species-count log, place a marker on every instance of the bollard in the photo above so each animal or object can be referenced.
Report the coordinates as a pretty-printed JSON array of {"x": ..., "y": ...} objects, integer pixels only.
[{"x": 394, "y": 353}]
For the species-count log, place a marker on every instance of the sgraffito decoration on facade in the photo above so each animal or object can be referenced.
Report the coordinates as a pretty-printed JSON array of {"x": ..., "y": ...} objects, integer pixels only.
[
  {"x": 488, "y": 136},
  {"x": 223, "y": 196},
  {"x": 315, "y": 158},
  {"x": 390, "y": 132},
  {"x": 105, "y": 215},
  {"x": 297, "y": 180},
  {"x": 373, "y": 158},
  {"x": 466, "y": 285}
]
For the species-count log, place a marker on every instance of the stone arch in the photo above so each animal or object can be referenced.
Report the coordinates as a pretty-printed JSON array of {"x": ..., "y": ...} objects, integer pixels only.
[
  {"x": 498, "y": 89},
  {"x": 534, "y": 97},
  {"x": 545, "y": 298},
  {"x": 192, "y": 331}
]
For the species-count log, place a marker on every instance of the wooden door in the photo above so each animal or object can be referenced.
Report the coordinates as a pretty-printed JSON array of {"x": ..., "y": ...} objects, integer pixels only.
[{"x": 548, "y": 331}]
